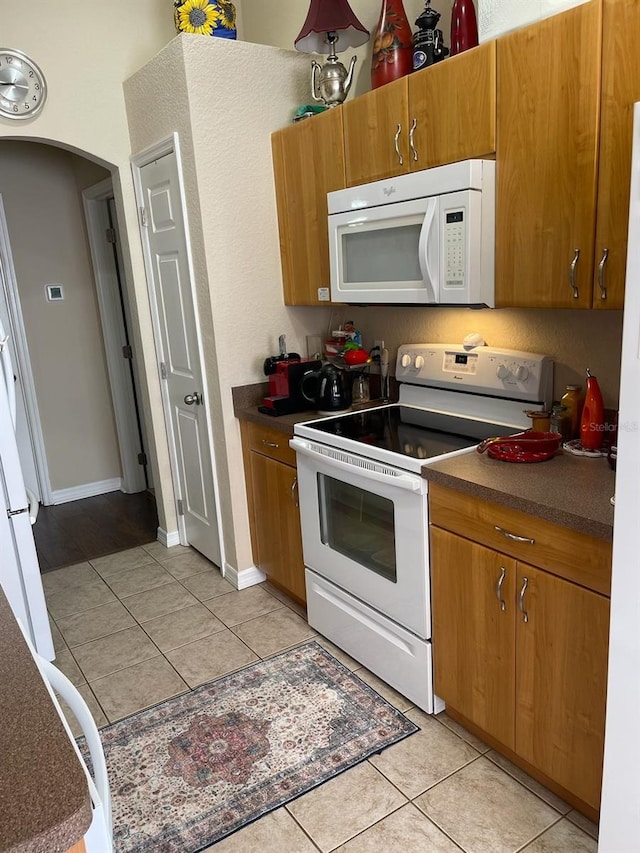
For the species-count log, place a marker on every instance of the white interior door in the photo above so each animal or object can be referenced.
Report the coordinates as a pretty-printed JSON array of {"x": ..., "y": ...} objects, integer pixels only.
[
  {"x": 167, "y": 253},
  {"x": 34, "y": 474}
]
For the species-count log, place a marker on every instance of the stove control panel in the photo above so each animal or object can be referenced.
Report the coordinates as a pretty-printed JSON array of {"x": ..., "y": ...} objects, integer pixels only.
[{"x": 480, "y": 370}]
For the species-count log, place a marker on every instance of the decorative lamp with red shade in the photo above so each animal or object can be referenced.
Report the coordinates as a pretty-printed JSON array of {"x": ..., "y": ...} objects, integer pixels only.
[{"x": 327, "y": 23}]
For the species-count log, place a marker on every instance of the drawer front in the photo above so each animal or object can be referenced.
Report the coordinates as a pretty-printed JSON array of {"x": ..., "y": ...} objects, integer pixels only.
[
  {"x": 270, "y": 442},
  {"x": 583, "y": 559}
]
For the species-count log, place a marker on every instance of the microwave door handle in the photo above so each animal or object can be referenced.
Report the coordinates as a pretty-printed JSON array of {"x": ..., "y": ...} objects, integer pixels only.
[
  {"x": 401, "y": 481},
  {"x": 428, "y": 250}
]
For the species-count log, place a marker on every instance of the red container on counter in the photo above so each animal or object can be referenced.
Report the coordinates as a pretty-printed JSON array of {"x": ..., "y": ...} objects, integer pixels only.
[{"x": 592, "y": 421}]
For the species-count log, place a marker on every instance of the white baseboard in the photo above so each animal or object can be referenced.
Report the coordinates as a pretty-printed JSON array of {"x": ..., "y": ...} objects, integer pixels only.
[
  {"x": 168, "y": 538},
  {"x": 245, "y": 577},
  {"x": 88, "y": 490}
]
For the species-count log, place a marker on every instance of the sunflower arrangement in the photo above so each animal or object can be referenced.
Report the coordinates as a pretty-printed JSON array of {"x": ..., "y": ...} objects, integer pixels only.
[{"x": 205, "y": 17}]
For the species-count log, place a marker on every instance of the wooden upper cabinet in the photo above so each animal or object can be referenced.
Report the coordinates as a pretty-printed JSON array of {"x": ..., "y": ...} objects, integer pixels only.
[
  {"x": 441, "y": 114},
  {"x": 546, "y": 152},
  {"x": 561, "y": 681},
  {"x": 376, "y": 134},
  {"x": 454, "y": 107},
  {"x": 620, "y": 88},
  {"x": 308, "y": 162}
]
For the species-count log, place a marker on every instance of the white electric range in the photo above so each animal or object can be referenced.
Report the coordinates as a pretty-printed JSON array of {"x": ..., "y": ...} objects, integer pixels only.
[{"x": 363, "y": 501}]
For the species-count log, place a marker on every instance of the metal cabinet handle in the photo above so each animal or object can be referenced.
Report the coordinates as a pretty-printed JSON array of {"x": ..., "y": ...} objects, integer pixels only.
[
  {"x": 503, "y": 603},
  {"x": 513, "y": 536},
  {"x": 294, "y": 489},
  {"x": 572, "y": 273},
  {"x": 194, "y": 399},
  {"x": 412, "y": 131},
  {"x": 397, "y": 137},
  {"x": 269, "y": 443},
  {"x": 601, "y": 284},
  {"x": 525, "y": 615}
]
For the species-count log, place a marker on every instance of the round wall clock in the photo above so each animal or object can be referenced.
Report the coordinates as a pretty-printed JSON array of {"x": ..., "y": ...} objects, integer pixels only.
[{"x": 23, "y": 89}]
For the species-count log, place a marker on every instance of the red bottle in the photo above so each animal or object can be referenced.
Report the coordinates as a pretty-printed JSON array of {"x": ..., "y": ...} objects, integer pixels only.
[
  {"x": 464, "y": 26},
  {"x": 392, "y": 45},
  {"x": 592, "y": 422}
]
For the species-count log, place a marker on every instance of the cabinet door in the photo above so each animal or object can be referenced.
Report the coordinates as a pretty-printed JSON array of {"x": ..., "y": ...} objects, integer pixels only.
[
  {"x": 547, "y": 137},
  {"x": 561, "y": 682},
  {"x": 276, "y": 516},
  {"x": 308, "y": 162},
  {"x": 620, "y": 88},
  {"x": 454, "y": 107},
  {"x": 371, "y": 124},
  {"x": 473, "y": 631}
]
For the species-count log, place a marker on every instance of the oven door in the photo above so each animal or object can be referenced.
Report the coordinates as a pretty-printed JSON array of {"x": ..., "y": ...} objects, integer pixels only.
[{"x": 364, "y": 527}]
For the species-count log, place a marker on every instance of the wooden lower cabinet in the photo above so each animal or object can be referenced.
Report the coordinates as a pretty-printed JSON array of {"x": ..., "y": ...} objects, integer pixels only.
[
  {"x": 561, "y": 681},
  {"x": 519, "y": 651},
  {"x": 272, "y": 491},
  {"x": 474, "y": 650}
]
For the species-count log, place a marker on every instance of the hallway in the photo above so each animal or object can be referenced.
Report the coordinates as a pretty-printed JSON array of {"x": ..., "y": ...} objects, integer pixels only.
[{"x": 94, "y": 527}]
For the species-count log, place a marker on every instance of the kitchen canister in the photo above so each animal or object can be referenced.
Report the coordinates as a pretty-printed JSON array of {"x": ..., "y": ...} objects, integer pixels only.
[{"x": 572, "y": 401}]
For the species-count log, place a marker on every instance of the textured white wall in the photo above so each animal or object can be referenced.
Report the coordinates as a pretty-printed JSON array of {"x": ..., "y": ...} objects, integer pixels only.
[
  {"x": 224, "y": 107},
  {"x": 496, "y": 17},
  {"x": 85, "y": 60}
]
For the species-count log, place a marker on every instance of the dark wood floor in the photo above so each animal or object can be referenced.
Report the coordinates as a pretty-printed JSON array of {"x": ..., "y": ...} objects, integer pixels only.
[{"x": 94, "y": 527}]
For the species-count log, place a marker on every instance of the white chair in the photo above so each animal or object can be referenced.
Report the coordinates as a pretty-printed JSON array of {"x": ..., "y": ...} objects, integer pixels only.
[{"x": 99, "y": 836}]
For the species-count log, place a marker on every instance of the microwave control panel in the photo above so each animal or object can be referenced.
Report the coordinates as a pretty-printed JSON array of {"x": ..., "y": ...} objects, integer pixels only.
[{"x": 454, "y": 248}]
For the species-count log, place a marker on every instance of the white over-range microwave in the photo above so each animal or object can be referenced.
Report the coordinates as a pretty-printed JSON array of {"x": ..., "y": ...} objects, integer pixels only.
[{"x": 426, "y": 238}]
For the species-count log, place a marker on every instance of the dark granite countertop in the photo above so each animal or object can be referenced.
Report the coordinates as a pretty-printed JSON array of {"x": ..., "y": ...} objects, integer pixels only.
[
  {"x": 573, "y": 491},
  {"x": 44, "y": 799},
  {"x": 247, "y": 398},
  {"x": 282, "y": 423}
]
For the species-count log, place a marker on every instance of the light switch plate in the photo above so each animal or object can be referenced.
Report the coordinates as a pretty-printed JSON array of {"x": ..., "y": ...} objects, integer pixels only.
[{"x": 55, "y": 292}]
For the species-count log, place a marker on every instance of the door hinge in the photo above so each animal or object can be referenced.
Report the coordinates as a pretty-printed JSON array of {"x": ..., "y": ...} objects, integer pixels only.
[
  {"x": 111, "y": 235},
  {"x": 142, "y": 458},
  {"x": 180, "y": 507},
  {"x": 163, "y": 370},
  {"x": 127, "y": 352},
  {"x": 12, "y": 512},
  {"x": 143, "y": 216}
]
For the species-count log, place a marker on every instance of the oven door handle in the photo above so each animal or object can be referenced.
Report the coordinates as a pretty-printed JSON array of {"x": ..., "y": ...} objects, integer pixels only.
[{"x": 409, "y": 482}]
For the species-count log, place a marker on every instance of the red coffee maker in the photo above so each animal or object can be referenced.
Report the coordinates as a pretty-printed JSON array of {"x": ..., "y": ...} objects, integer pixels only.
[{"x": 285, "y": 372}]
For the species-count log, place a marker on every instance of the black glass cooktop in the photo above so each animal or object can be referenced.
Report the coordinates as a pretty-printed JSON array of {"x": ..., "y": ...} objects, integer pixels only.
[{"x": 408, "y": 430}]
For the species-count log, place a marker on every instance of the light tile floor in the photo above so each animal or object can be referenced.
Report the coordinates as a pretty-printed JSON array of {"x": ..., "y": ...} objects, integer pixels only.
[{"x": 140, "y": 626}]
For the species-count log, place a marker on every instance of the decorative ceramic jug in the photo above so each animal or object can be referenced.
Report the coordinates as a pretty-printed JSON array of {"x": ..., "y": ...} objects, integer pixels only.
[
  {"x": 206, "y": 17},
  {"x": 464, "y": 26},
  {"x": 393, "y": 45}
]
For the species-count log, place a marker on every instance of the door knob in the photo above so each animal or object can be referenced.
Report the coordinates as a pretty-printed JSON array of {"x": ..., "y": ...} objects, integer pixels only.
[{"x": 194, "y": 399}]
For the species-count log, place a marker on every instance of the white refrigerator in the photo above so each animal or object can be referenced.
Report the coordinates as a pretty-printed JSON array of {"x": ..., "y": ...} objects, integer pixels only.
[
  {"x": 620, "y": 807},
  {"x": 19, "y": 570}
]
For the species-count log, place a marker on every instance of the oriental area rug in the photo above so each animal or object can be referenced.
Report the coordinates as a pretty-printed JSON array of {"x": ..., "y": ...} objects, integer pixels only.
[{"x": 188, "y": 772}]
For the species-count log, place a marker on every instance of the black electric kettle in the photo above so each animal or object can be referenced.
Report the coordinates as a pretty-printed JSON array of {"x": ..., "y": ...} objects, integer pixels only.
[{"x": 329, "y": 389}]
